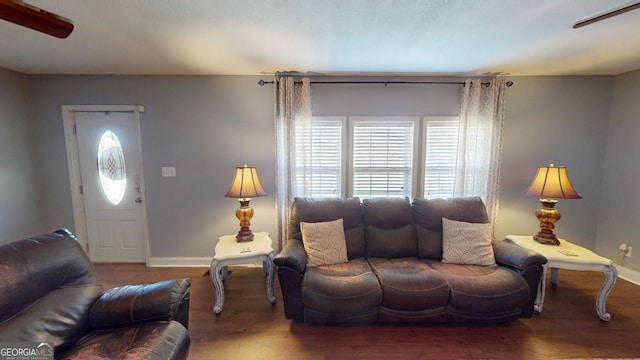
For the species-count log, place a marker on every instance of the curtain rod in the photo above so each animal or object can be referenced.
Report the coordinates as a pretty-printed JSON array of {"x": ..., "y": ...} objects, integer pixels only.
[{"x": 263, "y": 83}]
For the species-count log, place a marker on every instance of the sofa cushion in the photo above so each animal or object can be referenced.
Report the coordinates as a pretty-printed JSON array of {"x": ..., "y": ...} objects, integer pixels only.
[
  {"x": 149, "y": 340},
  {"x": 23, "y": 260},
  {"x": 388, "y": 227},
  {"x": 482, "y": 289},
  {"x": 324, "y": 242},
  {"x": 317, "y": 210},
  {"x": 46, "y": 297},
  {"x": 60, "y": 317},
  {"x": 410, "y": 284},
  {"x": 467, "y": 243},
  {"x": 349, "y": 290},
  {"x": 428, "y": 214}
]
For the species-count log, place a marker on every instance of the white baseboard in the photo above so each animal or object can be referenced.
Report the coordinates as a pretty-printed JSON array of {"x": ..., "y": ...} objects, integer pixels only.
[
  {"x": 631, "y": 276},
  {"x": 179, "y": 262}
]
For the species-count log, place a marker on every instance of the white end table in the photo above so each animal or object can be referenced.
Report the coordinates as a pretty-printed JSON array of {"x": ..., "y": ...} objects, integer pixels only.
[
  {"x": 229, "y": 252},
  {"x": 572, "y": 257}
]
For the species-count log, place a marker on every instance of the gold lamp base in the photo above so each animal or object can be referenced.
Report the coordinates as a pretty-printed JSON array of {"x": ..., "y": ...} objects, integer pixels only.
[
  {"x": 546, "y": 238},
  {"x": 244, "y": 213},
  {"x": 244, "y": 236},
  {"x": 548, "y": 215}
]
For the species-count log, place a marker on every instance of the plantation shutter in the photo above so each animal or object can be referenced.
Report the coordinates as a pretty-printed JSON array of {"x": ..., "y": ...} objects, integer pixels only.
[
  {"x": 382, "y": 157},
  {"x": 441, "y": 149},
  {"x": 322, "y": 158}
]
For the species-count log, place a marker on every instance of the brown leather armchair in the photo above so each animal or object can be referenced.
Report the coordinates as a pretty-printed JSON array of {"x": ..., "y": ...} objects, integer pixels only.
[{"x": 49, "y": 292}]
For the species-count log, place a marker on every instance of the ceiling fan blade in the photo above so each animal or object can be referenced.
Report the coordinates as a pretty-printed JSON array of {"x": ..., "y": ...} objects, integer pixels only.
[
  {"x": 35, "y": 18},
  {"x": 607, "y": 15}
]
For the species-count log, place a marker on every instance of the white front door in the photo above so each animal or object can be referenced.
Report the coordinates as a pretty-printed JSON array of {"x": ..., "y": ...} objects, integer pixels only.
[{"x": 110, "y": 171}]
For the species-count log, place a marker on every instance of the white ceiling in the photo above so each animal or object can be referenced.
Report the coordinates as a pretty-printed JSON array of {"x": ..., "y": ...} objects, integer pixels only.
[{"x": 411, "y": 37}]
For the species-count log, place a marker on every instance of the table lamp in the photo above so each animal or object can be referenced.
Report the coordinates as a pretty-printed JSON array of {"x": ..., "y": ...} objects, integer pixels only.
[
  {"x": 550, "y": 183},
  {"x": 244, "y": 186}
]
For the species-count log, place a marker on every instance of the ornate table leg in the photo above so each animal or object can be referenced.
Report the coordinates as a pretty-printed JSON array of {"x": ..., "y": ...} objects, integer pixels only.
[
  {"x": 537, "y": 305},
  {"x": 224, "y": 273},
  {"x": 611, "y": 274},
  {"x": 215, "y": 274},
  {"x": 270, "y": 275},
  {"x": 554, "y": 276}
]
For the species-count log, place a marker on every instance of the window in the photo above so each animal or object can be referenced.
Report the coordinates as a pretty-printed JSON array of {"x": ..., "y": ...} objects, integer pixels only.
[
  {"x": 377, "y": 157},
  {"x": 382, "y": 157},
  {"x": 111, "y": 168},
  {"x": 320, "y": 161},
  {"x": 441, "y": 152}
]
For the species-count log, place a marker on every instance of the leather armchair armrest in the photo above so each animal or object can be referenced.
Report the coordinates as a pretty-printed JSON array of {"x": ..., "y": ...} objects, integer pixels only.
[
  {"x": 124, "y": 305},
  {"x": 292, "y": 255},
  {"x": 515, "y": 257}
]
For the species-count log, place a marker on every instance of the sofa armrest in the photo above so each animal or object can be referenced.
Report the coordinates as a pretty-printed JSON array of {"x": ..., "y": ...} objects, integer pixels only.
[
  {"x": 515, "y": 257},
  {"x": 291, "y": 264},
  {"x": 292, "y": 256},
  {"x": 125, "y": 305},
  {"x": 527, "y": 263}
]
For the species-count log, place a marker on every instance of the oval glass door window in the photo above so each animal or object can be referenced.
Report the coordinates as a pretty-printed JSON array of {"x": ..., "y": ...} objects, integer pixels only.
[{"x": 111, "y": 167}]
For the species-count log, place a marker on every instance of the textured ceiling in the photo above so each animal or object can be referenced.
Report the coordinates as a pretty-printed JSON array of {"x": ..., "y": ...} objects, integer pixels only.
[{"x": 217, "y": 37}]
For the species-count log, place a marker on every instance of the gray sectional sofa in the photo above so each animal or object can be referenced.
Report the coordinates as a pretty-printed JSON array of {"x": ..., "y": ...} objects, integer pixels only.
[{"x": 394, "y": 272}]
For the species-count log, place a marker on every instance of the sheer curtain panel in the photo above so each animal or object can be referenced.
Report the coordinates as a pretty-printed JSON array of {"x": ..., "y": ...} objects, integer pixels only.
[
  {"x": 292, "y": 114},
  {"x": 480, "y": 141}
]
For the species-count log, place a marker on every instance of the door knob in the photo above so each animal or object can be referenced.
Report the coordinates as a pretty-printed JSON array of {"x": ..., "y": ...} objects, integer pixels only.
[{"x": 138, "y": 200}]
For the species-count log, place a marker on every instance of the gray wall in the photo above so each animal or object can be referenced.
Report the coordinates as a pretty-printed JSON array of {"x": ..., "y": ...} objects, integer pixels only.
[
  {"x": 20, "y": 210},
  {"x": 620, "y": 208},
  {"x": 204, "y": 126},
  {"x": 560, "y": 120},
  {"x": 207, "y": 125},
  {"x": 392, "y": 99}
]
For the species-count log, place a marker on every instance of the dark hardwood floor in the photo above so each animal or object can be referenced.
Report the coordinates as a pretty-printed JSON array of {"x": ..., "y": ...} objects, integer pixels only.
[{"x": 249, "y": 327}]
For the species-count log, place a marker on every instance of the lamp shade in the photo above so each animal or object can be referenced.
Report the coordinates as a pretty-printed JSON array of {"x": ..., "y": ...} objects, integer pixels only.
[
  {"x": 245, "y": 184},
  {"x": 552, "y": 182}
]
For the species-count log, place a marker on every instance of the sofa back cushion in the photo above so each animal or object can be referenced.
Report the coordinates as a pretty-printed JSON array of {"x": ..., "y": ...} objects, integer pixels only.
[
  {"x": 47, "y": 287},
  {"x": 388, "y": 227},
  {"x": 312, "y": 210},
  {"x": 428, "y": 214}
]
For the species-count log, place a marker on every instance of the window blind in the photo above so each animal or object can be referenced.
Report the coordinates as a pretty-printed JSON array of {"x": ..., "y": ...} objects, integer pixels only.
[
  {"x": 441, "y": 151},
  {"x": 319, "y": 159},
  {"x": 382, "y": 157}
]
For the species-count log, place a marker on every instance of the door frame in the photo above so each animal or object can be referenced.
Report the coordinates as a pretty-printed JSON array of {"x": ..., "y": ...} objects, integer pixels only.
[{"x": 75, "y": 179}]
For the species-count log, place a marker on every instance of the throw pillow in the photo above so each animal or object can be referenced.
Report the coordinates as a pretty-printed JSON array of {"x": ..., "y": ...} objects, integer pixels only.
[
  {"x": 324, "y": 242},
  {"x": 466, "y": 243}
]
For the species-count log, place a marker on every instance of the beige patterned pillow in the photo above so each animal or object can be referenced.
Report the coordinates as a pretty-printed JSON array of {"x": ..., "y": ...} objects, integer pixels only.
[
  {"x": 466, "y": 243},
  {"x": 324, "y": 242}
]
